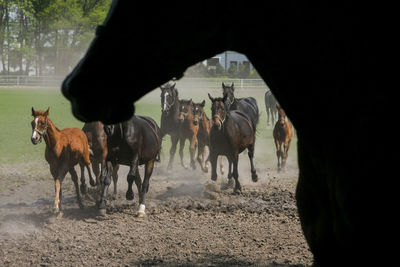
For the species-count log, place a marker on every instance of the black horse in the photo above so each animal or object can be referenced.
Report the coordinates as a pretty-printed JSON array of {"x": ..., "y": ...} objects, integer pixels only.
[
  {"x": 308, "y": 53},
  {"x": 170, "y": 122},
  {"x": 134, "y": 142},
  {"x": 232, "y": 132},
  {"x": 270, "y": 107},
  {"x": 248, "y": 105}
]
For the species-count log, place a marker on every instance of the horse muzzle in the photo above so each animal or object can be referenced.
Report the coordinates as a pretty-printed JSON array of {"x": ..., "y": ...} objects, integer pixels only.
[{"x": 36, "y": 140}]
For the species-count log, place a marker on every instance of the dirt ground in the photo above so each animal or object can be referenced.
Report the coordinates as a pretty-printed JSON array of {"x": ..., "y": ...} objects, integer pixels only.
[{"x": 189, "y": 222}]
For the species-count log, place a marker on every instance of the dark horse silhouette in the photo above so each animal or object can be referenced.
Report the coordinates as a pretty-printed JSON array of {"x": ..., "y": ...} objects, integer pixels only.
[
  {"x": 132, "y": 143},
  {"x": 270, "y": 107},
  {"x": 308, "y": 52},
  {"x": 232, "y": 132},
  {"x": 248, "y": 105},
  {"x": 170, "y": 122}
]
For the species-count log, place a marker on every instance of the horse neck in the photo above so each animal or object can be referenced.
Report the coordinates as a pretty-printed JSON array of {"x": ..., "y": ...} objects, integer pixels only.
[
  {"x": 205, "y": 122},
  {"x": 52, "y": 135}
]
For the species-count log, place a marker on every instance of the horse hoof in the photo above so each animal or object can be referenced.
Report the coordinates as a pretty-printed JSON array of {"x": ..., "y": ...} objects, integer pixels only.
[
  {"x": 92, "y": 182},
  {"x": 102, "y": 212},
  {"x": 130, "y": 196},
  {"x": 60, "y": 215},
  {"x": 141, "y": 214},
  {"x": 214, "y": 178},
  {"x": 254, "y": 177},
  {"x": 81, "y": 206},
  {"x": 83, "y": 188}
]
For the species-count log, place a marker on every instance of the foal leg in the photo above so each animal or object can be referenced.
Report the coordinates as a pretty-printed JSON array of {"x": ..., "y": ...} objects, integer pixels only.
[
  {"x": 192, "y": 150},
  {"x": 286, "y": 146},
  {"x": 115, "y": 180},
  {"x": 174, "y": 142},
  {"x": 74, "y": 177},
  {"x": 278, "y": 153},
  {"x": 83, "y": 179},
  {"x": 250, "y": 153},
  {"x": 181, "y": 147},
  {"x": 58, "y": 181},
  {"x": 200, "y": 157}
]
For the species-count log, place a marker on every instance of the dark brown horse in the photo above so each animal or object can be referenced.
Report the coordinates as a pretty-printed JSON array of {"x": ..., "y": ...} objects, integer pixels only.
[
  {"x": 283, "y": 133},
  {"x": 64, "y": 149},
  {"x": 132, "y": 143},
  {"x": 232, "y": 132},
  {"x": 203, "y": 137},
  {"x": 188, "y": 130},
  {"x": 97, "y": 140},
  {"x": 270, "y": 107},
  {"x": 248, "y": 105},
  {"x": 170, "y": 123}
]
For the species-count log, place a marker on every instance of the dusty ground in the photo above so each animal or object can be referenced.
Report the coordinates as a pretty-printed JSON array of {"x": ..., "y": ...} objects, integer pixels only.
[{"x": 187, "y": 223}]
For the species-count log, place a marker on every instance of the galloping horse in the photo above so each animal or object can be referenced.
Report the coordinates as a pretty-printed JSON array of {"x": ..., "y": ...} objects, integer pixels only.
[
  {"x": 170, "y": 123},
  {"x": 283, "y": 133},
  {"x": 203, "y": 136},
  {"x": 232, "y": 132},
  {"x": 97, "y": 140},
  {"x": 248, "y": 105},
  {"x": 64, "y": 149},
  {"x": 188, "y": 130},
  {"x": 308, "y": 53},
  {"x": 132, "y": 143},
  {"x": 270, "y": 106}
]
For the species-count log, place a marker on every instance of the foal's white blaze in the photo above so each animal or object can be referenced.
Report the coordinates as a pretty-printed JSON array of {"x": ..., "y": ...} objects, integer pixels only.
[
  {"x": 34, "y": 131},
  {"x": 165, "y": 100}
]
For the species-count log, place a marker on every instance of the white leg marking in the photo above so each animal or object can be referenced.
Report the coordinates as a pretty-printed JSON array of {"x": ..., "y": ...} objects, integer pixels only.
[{"x": 141, "y": 208}]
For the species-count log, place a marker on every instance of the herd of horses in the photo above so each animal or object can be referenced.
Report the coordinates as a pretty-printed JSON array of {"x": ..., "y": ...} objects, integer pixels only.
[{"x": 138, "y": 141}]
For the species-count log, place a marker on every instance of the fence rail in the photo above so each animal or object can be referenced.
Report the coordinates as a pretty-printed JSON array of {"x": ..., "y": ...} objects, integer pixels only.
[{"x": 55, "y": 81}]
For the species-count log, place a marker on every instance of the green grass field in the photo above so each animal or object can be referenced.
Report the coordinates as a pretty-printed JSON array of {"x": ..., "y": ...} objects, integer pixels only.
[{"x": 16, "y": 148}]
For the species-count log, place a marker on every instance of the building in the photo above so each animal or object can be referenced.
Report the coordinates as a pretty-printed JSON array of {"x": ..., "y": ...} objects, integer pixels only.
[{"x": 229, "y": 58}]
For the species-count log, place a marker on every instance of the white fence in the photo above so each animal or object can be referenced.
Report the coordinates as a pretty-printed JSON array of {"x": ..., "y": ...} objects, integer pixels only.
[{"x": 55, "y": 81}]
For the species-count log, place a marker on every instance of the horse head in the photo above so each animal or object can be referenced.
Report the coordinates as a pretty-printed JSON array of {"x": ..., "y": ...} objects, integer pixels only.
[
  {"x": 228, "y": 90},
  {"x": 186, "y": 111},
  {"x": 40, "y": 123},
  {"x": 169, "y": 97},
  {"x": 198, "y": 109},
  {"x": 219, "y": 110},
  {"x": 281, "y": 116}
]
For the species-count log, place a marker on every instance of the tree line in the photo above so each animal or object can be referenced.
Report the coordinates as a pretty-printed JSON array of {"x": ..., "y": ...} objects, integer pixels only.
[{"x": 46, "y": 37}]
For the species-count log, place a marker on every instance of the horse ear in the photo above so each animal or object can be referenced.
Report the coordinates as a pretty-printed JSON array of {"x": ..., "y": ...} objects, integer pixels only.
[
  {"x": 33, "y": 112},
  {"x": 233, "y": 87},
  {"x": 173, "y": 86},
  {"x": 46, "y": 113},
  {"x": 277, "y": 106},
  {"x": 162, "y": 88},
  {"x": 203, "y": 103},
  {"x": 209, "y": 96},
  {"x": 223, "y": 85}
]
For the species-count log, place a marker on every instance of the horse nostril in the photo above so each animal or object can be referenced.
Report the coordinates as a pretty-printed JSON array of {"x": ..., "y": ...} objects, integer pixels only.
[{"x": 195, "y": 122}]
